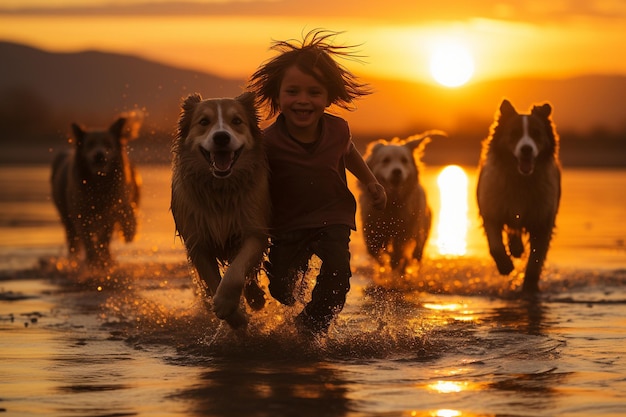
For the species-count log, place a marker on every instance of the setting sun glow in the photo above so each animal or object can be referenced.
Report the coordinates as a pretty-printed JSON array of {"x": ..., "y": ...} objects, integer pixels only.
[
  {"x": 451, "y": 63},
  {"x": 453, "y": 223}
]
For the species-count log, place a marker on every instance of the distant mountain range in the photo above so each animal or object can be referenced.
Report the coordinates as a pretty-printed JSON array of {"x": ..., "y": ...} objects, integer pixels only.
[
  {"x": 41, "y": 93},
  {"x": 92, "y": 87}
]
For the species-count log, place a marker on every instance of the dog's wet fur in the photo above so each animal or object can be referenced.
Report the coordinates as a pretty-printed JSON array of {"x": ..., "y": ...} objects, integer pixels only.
[
  {"x": 95, "y": 189},
  {"x": 397, "y": 235},
  {"x": 519, "y": 188},
  {"x": 220, "y": 199}
]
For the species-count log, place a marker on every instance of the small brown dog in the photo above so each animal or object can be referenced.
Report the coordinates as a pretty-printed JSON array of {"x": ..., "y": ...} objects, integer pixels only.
[
  {"x": 220, "y": 198},
  {"x": 519, "y": 188},
  {"x": 401, "y": 230},
  {"x": 95, "y": 187}
]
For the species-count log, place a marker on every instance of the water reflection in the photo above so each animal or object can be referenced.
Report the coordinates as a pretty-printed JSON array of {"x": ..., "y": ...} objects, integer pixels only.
[
  {"x": 489, "y": 332},
  {"x": 277, "y": 389},
  {"x": 458, "y": 311},
  {"x": 448, "y": 386},
  {"x": 453, "y": 212},
  {"x": 525, "y": 316},
  {"x": 448, "y": 413}
]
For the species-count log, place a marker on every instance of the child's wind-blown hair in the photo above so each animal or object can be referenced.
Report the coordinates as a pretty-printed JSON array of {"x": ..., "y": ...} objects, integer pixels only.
[{"x": 314, "y": 56}]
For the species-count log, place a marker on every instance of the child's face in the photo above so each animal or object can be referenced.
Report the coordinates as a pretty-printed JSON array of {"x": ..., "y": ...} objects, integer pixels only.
[{"x": 302, "y": 99}]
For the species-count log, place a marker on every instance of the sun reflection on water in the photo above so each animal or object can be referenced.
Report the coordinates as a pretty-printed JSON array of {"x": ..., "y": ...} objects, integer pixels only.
[
  {"x": 456, "y": 311},
  {"x": 447, "y": 386},
  {"x": 447, "y": 413},
  {"x": 453, "y": 220},
  {"x": 439, "y": 413}
]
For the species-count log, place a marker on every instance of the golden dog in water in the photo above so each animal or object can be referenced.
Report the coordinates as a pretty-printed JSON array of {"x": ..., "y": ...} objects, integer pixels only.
[
  {"x": 220, "y": 198},
  {"x": 401, "y": 230}
]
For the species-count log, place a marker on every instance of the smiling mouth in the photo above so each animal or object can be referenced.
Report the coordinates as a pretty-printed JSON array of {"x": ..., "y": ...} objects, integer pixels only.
[
  {"x": 302, "y": 112},
  {"x": 222, "y": 162}
]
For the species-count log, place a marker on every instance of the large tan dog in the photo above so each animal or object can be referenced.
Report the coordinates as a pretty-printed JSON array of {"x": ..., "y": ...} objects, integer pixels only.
[
  {"x": 519, "y": 188},
  {"x": 220, "y": 198},
  {"x": 401, "y": 231},
  {"x": 94, "y": 188}
]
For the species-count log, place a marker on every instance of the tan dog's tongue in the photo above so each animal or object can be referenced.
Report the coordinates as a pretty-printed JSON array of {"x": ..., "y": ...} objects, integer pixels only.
[{"x": 223, "y": 160}]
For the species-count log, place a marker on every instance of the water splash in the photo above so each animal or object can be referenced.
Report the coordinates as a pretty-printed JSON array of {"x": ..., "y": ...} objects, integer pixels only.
[{"x": 435, "y": 307}]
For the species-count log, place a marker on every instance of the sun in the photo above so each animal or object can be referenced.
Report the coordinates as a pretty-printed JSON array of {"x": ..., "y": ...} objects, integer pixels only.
[
  {"x": 451, "y": 63},
  {"x": 453, "y": 222}
]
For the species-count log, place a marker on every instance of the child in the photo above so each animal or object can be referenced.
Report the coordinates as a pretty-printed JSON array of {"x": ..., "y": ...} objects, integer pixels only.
[{"x": 309, "y": 151}]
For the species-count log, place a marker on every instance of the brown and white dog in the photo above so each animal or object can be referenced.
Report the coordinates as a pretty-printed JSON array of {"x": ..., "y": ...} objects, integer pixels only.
[
  {"x": 400, "y": 231},
  {"x": 220, "y": 198},
  {"x": 519, "y": 188},
  {"x": 95, "y": 187}
]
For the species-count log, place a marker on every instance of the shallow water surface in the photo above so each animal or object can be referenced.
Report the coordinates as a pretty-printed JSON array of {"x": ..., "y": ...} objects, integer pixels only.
[{"x": 455, "y": 340}]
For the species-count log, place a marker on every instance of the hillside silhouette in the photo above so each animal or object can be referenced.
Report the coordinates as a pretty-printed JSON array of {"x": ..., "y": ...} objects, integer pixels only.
[
  {"x": 42, "y": 93},
  {"x": 92, "y": 87}
]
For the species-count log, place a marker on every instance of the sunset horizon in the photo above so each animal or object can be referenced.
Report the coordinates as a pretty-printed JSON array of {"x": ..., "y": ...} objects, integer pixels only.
[
  {"x": 430, "y": 66},
  {"x": 231, "y": 38}
]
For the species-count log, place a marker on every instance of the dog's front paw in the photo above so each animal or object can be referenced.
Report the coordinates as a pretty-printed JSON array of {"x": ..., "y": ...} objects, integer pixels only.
[
  {"x": 226, "y": 300},
  {"x": 237, "y": 320}
]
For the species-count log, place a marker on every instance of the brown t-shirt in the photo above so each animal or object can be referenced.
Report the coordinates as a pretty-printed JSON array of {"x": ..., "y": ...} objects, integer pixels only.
[{"x": 308, "y": 184}]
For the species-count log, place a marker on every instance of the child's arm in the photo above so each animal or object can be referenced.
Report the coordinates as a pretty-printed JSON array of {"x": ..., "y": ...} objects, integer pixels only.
[{"x": 357, "y": 166}]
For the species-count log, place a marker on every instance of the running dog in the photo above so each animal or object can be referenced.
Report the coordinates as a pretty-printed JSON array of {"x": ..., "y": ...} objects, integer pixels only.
[
  {"x": 398, "y": 233},
  {"x": 519, "y": 188},
  {"x": 95, "y": 188},
  {"x": 220, "y": 198}
]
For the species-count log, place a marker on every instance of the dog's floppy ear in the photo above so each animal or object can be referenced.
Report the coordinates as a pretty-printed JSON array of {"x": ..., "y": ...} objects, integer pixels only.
[
  {"x": 78, "y": 133},
  {"x": 186, "y": 113},
  {"x": 372, "y": 147},
  {"x": 542, "y": 111},
  {"x": 420, "y": 141},
  {"x": 417, "y": 142},
  {"x": 117, "y": 127},
  {"x": 134, "y": 120},
  {"x": 377, "y": 145},
  {"x": 506, "y": 109},
  {"x": 248, "y": 99}
]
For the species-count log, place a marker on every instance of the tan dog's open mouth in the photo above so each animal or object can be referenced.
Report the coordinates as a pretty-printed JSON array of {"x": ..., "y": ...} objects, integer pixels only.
[{"x": 221, "y": 162}]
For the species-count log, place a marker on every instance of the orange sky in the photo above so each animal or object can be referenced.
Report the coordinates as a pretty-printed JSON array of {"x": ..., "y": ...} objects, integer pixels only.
[{"x": 231, "y": 38}]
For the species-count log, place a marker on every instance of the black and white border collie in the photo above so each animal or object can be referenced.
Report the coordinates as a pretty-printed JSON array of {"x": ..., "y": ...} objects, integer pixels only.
[{"x": 519, "y": 188}]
